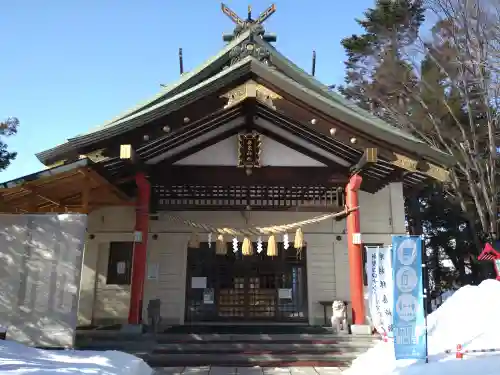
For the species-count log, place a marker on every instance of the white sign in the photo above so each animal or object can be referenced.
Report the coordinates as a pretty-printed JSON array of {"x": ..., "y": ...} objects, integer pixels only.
[
  {"x": 153, "y": 271},
  {"x": 120, "y": 268},
  {"x": 284, "y": 293},
  {"x": 198, "y": 282},
  {"x": 356, "y": 238},
  {"x": 208, "y": 296},
  {"x": 138, "y": 236},
  {"x": 380, "y": 287}
]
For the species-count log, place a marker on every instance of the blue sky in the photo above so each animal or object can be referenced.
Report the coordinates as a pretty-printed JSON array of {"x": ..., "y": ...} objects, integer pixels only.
[{"x": 68, "y": 66}]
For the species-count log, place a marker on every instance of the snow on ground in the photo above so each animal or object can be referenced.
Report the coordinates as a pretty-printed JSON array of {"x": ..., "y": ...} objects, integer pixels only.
[
  {"x": 468, "y": 318},
  {"x": 17, "y": 359}
]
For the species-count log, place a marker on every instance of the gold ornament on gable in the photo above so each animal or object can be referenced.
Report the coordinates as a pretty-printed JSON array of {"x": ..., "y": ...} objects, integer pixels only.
[{"x": 249, "y": 150}]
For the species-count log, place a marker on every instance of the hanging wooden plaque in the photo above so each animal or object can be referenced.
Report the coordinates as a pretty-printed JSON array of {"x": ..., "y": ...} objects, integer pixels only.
[{"x": 249, "y": 150}]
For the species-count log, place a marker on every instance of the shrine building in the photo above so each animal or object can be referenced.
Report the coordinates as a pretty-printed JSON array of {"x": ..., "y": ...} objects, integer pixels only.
[{"x": 244, "y": 192}]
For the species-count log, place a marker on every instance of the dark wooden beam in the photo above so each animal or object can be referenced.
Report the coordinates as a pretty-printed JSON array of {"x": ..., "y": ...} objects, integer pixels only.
[
  {"x": 298, "y": 148},
  {"x": 131, "y": 158},
  {"x": 100, "y": 177},
  {"x": 201, "y": 207},
  {"x": 368, "y": 159},
  {"x": 189, "y": 132},
  {"x": 396, "y": 175},
  {"x": 396, "y": 155},
  {"x": 203, "y": 145},
  {"x": 193, "y": 111},
  {"x": 128, "y": 153},
  {"x": 233, "y": 176},
  {"x": 290, "y": 124}
]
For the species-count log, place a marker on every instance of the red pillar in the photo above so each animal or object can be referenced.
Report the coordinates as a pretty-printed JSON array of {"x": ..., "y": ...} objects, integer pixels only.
[
  {"x": 355, "y": 252},
  {"x": 140, "y": 248}
]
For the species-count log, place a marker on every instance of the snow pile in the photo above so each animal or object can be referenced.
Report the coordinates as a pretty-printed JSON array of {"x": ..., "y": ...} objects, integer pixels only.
[
  {"x": 468, "y": 318},
  {"x": 435, "y": 303},
  {"x": 17, "y": 359}
]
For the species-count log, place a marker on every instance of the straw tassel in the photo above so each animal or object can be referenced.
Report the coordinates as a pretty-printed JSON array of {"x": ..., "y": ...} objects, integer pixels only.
[
  {"x": 247, "y": 247},
  {"x": 272, "y": 250},
  {"x": 298, "y": 243},
  {"x": 194, "y": 241},
  {"x": 220, "y": 245}
]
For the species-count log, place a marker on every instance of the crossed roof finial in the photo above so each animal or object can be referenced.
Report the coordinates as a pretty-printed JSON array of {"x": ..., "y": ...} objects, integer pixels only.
[{"x": 249, "y": 21}]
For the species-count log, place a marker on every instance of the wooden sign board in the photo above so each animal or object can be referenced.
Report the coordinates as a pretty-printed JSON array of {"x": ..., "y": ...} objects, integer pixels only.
[{"x": 249, "y": 150}]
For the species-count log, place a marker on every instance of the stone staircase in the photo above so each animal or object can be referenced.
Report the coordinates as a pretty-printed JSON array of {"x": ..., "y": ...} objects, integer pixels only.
[{"x": 237, "y": 350}]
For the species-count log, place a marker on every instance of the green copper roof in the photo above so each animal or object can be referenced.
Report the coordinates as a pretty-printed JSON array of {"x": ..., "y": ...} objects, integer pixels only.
[
  {"x": 298, "y": 74},
  {"x": 209, "y": 76},
  {"x": 328, "y": 105},
  {"x": 166, "y": 106},
  {"x": 187, "y": 80}
]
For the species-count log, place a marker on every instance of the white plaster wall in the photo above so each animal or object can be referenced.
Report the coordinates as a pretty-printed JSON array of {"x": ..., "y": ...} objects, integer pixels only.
[
  {"x": 225, "y": 153},
  {"x": 100, "y": 302},
  {"x": 382, "y": 214}
]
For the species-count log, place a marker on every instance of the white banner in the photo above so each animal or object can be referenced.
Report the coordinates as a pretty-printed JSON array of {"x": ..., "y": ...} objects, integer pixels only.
[{"x": 380, "y": 288}]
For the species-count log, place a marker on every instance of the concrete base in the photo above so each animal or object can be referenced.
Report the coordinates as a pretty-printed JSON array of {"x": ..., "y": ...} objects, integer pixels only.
[
  {"x": 361, "y": 329},
  {"x": 132, "y": 328}
]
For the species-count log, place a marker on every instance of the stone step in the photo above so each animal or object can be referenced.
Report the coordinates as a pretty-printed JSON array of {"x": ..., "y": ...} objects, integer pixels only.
[
  {"x": 227, "y": 346},
  {"x": 242, "y": 360},
  {"x": 243, "y": 350},
  {"x": 223, "y": 349},
  {"x": 195, "y": 338},
  {"x": 284, "y": 338},
  {"x": 254, "y": 370},
  {"x": 222, "y": 345},
  {"x": 276, "y": 347}
]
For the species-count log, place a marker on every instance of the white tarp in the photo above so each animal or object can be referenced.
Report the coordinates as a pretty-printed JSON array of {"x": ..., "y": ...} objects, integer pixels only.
[{"x": 40, "y": 268}]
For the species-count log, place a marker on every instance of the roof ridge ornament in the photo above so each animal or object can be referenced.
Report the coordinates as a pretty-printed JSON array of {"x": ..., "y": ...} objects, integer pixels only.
[
  {"x": 248, "y": 47},
  {"x": 249, "y": 23}
]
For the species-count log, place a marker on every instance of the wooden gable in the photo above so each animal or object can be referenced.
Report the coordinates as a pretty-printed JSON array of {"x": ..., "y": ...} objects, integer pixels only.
[{"x": 226, "y": 153}]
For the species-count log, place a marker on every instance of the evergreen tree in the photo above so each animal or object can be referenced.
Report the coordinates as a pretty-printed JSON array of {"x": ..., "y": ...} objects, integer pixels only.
[
  {"x": 442, "y": 97},
  {"x": 7, "y": 128},
  {"x": 376, "y": 73}
]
